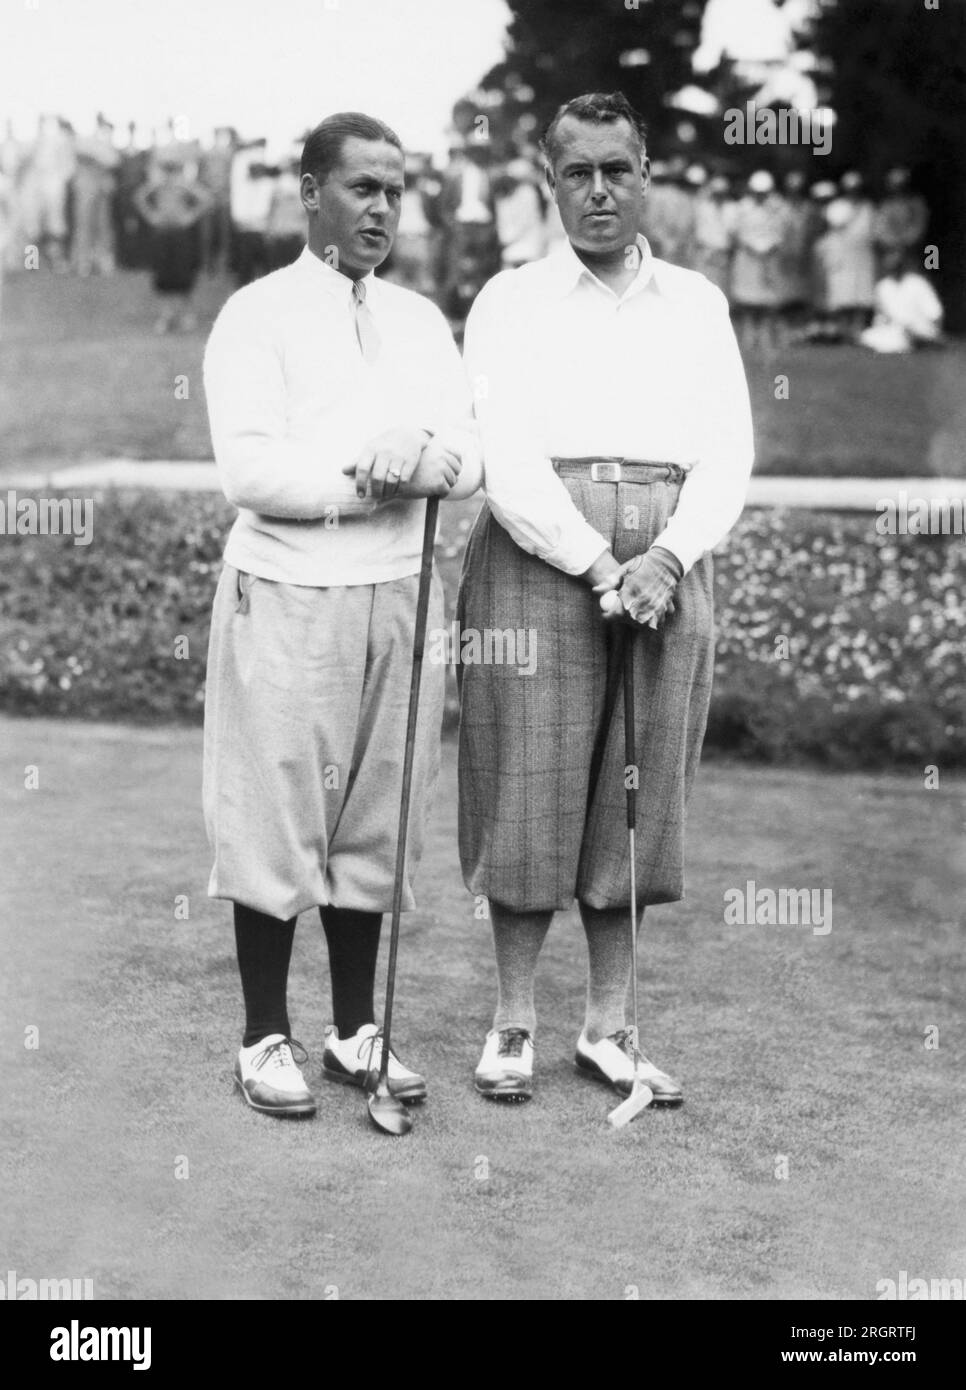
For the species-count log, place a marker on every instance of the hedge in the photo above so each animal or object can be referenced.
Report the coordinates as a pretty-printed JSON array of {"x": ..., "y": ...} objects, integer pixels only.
[{"x": 835, "y": 644}]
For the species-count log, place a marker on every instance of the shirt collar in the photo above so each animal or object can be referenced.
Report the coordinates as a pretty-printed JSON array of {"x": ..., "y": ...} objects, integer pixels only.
[
  {"x": 568, "y": 270},
  {"x": 332, "y": 281}
]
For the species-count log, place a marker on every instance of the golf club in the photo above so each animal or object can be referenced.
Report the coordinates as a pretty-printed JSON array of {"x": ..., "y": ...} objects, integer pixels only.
[
  {"x": 385, "y": 1111},
  {"x": 641, "y": 1095}
]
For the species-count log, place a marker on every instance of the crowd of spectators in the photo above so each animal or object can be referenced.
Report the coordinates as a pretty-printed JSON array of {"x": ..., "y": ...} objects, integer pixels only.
[
  {"x": 819, "y": 263},
  {"x": 826, "y": 263}
]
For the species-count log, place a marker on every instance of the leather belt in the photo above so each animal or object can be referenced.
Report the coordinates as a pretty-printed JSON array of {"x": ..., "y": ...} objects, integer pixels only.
[{"x": 619, "y": 470}]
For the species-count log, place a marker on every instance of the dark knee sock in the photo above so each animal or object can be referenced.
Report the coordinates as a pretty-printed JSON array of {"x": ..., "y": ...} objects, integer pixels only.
[
  {"x": 264, "y": 946},
  {"x": 353, "y": 941}
]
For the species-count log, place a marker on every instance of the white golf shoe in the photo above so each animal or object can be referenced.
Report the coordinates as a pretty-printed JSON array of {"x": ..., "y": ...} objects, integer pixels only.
[
  {"x": 351, "y": 1060},
  {"x": 613, "y": 1060},
  {"x": 505, "y": 1071},
  {"x": 270, "y": 1080}
]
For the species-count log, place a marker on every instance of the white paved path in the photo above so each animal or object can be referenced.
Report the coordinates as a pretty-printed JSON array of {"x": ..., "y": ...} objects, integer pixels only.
[{"x": 835, "y": 494}]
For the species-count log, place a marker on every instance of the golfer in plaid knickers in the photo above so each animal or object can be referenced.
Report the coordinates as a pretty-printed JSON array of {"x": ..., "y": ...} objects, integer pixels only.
[{"x": 617, "y": 449}]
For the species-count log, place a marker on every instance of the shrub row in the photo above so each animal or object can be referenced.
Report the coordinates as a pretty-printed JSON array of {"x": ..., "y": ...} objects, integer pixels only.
[{"x": 835, "y": 644}]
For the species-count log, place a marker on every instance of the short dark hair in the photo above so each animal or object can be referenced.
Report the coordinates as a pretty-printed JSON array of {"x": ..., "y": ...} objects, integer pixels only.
[
  {"x": 323, "y": 145},
  {"x": 602, "y": 108}
]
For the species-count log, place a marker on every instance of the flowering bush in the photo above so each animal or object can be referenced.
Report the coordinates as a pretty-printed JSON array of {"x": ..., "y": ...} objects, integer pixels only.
[
  {"x": 93, "y": 631},
  {"x": 834, "y": 643},
  {"x": 839, "y": 643}
]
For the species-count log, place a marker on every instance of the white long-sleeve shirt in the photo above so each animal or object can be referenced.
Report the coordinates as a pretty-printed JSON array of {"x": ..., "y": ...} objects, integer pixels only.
[
  {"x": 291, "y": 401},
  {"x": 563, "y": 367}
]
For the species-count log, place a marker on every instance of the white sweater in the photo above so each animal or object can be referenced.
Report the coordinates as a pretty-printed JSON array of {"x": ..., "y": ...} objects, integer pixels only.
[{"x": 291, "y": 402}]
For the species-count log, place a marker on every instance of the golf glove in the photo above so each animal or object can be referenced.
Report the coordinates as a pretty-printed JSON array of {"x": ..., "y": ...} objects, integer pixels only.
[{"x": 648, "y": 585}]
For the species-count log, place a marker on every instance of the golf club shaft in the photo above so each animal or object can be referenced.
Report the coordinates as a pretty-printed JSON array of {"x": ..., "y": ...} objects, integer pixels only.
[
  {"x": 419, "y": 643},
  {"x": 630, "y": 761}
]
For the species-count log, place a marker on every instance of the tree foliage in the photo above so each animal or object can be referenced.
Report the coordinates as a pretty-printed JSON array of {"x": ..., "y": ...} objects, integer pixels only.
[
  {"x": 560, "y": 48},
  {"x": 899, "y": 88},
  {"x": 893, "y": 70}
]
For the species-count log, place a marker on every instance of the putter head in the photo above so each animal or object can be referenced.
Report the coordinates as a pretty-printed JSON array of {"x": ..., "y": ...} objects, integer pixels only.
[
  {"x": 638, "y": 1100},
  {"x": 386, "y": 1112}
]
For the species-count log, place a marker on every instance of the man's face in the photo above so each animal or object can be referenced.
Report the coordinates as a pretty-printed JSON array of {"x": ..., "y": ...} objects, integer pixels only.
[
  {"x": 599, "y": 183},
  {"x": 356, "y": 208}
]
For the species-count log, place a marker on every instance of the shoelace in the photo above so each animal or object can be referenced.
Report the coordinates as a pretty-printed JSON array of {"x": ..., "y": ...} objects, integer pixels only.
[
  {"x": 625, "y": 1039},
  {"x": 375, "y": 1058},
  {"x": 511, "y": 1042},
  {"x": 279, "y": 1054}
]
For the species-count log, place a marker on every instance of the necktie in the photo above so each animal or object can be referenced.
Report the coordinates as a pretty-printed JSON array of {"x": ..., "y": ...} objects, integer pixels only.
[{"x": 366, "y": 330}]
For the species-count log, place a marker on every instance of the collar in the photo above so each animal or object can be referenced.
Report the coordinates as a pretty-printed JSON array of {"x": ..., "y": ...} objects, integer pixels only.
[
  {"x": 568, "y": 270},
  {"x": 333, "y": 281}
]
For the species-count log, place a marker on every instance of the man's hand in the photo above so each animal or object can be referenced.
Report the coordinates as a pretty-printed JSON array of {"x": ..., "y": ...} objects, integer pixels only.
[
  {"x": 646, "y": 588},
  {"x": 387, "y": 462},
  {"x": 435, "y": 474},
  {"x": 604, "y": 574}
]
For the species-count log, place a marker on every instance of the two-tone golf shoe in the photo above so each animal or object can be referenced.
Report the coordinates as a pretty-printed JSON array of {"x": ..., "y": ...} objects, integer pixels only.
[
  {"x": 351, "y": 1061},
  {"x": 505, "y": 1070},
  {"x": 269, "y": 1077},
  {"x": 615, "y": 1060}
]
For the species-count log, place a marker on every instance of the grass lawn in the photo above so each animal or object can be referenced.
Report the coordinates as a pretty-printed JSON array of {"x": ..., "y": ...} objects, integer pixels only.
[
  {"x": 793, "y": 1047},
  {"x": 83, "y": 376}
]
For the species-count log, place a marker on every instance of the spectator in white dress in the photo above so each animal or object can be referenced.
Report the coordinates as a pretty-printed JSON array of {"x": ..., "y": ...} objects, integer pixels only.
[
  {"x": 908, "y": 313},
  {"x": 848, "y": 254}
]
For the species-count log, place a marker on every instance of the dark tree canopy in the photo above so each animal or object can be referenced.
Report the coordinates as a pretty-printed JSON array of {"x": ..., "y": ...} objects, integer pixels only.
[
  {"x": 893, "y": 70},
  {"x": 899, "y": 87},
  {"x": 561, "y": 48}
]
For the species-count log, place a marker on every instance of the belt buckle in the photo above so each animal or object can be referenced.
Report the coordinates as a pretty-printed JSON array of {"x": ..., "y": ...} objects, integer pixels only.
[{"x": 613, "y": 477}]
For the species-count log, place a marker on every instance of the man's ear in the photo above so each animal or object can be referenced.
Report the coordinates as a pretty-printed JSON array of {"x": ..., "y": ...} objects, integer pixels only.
[
  {"x": 645, "y": 175},
  {"x": 551, "y": 181},
  {"x": 309, "y": 191}
]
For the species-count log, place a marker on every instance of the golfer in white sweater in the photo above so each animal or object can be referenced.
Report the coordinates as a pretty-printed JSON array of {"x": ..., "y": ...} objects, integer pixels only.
[{"x": 337, "y": 402}]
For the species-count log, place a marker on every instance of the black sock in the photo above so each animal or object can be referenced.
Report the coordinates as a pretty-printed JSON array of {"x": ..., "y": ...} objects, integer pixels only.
[
  {"x": 353, "y": 941},
  {"x": 264, "y": 947}
]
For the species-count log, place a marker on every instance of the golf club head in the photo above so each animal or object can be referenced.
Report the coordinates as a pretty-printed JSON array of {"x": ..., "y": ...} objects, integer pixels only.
[
  {"x": 638, "y": 1100},
  {"x": 386, "y": 1112}
]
